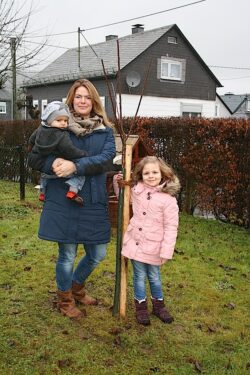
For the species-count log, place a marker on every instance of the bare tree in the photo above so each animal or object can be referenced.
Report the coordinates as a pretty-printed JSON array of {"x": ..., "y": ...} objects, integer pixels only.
[{"x": 14, "y": 21}]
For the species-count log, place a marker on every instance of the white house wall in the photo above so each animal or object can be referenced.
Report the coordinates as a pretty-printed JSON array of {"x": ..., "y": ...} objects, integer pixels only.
[{"x": 152, "y": 106}]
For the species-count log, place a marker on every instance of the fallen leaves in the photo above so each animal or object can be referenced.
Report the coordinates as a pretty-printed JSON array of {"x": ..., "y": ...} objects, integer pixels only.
[
  {"x": 196, "y": 363},
  {"x": 64, "y": 362},
  {"x": 230, "y": 305}
]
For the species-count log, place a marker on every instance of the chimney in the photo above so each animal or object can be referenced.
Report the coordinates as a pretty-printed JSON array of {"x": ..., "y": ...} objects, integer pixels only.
[
  {"x": 111, "y": 37},
  {"x": 137, "y": 28}
]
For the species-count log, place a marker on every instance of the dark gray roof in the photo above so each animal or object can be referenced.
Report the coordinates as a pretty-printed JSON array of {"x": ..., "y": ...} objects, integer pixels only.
[
  {"x": 233, "y": 101},
  {"x": 65, "y": 67}
]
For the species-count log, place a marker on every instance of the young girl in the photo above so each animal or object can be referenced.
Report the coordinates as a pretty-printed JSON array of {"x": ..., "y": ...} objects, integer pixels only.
[{"x": 151, "y": 234}]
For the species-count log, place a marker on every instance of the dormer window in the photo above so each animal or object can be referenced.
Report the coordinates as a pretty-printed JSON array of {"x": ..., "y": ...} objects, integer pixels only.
[
  {"x": 171, "y": 69},
  {"x": 172, "y": 39}
]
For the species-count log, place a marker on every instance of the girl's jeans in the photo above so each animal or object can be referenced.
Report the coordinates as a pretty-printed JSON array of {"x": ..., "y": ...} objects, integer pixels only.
[
  {"x": 65, "y": 264},
  {"x": 143, "y": 271}
]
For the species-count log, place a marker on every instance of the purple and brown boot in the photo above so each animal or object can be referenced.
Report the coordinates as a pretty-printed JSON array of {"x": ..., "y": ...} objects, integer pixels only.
[
  {"x": 141, "y": 312},
  {"x": 160, "y": 311}
]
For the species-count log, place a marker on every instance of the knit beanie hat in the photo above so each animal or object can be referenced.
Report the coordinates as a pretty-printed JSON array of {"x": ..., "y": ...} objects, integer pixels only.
[{"x": 53, "y": 110}]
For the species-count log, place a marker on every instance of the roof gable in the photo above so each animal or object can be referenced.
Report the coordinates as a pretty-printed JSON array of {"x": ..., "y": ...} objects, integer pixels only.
[{"x": 233, "y": 101}]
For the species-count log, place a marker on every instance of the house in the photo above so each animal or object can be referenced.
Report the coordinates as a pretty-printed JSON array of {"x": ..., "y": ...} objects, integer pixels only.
[
  {"x": 179, "y": 83},
  {"x": 5, "y": 104},
  {"x": 238, "y": 104},
  {"x": 6, "y": 95}
]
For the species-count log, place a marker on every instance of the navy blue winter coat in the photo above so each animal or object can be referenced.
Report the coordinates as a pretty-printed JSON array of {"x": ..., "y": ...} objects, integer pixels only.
[{"x": 65, "y": 221}]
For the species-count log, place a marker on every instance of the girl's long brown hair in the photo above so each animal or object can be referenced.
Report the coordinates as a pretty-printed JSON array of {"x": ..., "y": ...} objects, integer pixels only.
[
  {"x": 172, "y": 181},
  {"x": 95, "y": 98}
]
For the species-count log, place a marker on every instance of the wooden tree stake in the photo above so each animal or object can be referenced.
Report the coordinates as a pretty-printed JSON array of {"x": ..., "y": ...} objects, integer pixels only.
[{"x": 126, "y": 217}]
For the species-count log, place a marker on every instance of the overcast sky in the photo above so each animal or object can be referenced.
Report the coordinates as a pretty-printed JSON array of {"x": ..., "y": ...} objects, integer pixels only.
[{"x": 219, "y": 30}]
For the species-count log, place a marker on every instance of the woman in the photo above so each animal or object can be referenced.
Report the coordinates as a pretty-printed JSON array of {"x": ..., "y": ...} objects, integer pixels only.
[{"x": 70, "y": 224}]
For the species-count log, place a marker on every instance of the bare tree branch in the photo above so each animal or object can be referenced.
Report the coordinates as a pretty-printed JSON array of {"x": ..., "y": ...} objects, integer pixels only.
[{"x": 12, "y": 25}]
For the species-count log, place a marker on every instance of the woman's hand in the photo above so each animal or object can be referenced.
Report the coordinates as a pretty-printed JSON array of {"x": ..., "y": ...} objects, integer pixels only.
[
  {"x": 57, "y": 162},
  {"x": 63, "y": 168}
]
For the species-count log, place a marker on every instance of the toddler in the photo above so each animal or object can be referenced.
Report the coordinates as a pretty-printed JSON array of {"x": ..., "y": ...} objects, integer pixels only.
[{"x": 52, "y": 138}]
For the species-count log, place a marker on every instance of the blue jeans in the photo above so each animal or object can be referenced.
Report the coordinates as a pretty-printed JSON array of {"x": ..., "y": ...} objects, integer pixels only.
[
  {"x": 75, "y": 183},
  {"x": 65, "y": 264},
  {"x": 143, "y": 271}
]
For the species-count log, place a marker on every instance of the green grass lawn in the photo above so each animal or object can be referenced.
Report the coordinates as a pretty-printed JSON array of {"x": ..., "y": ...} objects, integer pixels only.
[{"x": 206, "y": 288}]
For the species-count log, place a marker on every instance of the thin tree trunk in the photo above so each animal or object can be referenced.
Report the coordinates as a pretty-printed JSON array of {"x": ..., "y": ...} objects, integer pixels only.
[
  {"x": 126, "y": 217},
  {"x": 118, "y": 253}
]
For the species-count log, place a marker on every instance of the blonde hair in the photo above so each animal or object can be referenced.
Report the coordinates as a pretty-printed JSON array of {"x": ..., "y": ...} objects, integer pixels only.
[
  {"x": 95, "y": 98},
  {"x": 172, "y": 185}
]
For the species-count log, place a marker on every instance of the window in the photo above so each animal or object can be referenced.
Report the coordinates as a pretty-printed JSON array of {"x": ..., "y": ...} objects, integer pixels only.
[
  {"x": 248, "y": 105},
  {"x": 44, "y": 104},
  {"x": 35, "y": 103},
  {"x": 172, "y": 40},
  {"x": 216, "y": 112},
  {"x": 191, "y": 110},
  {"x": 171, "y": 69},
  {"x": 2, "y": 107},
  {"x": 103, "y": 101},
  {"x": 191, "y": 114}
]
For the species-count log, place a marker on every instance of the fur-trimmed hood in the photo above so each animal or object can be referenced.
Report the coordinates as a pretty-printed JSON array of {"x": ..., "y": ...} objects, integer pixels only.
[{"x": 171, "y": 187}]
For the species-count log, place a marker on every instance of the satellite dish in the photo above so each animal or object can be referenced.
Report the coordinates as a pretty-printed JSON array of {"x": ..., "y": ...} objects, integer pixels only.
[{"x": 133, "y": 79}]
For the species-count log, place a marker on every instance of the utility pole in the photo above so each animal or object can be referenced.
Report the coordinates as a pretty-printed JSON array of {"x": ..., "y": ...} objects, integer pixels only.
[
  {"x": 13, "y": 59},
  {"x": 79, "y": 48}
]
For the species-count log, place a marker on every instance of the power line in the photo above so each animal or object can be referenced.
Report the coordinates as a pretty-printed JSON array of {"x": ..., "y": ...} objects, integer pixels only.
[
  {"x": 146, "y": 15},
  {"x": 123, "y": 21},
  {"x": 49, "y": 45},
  {"x": 230, "y": 79},
  {"x": 228, "y": 67},
  {"x": 46, "y": 35},
  {"x": 90, "y": 45}
]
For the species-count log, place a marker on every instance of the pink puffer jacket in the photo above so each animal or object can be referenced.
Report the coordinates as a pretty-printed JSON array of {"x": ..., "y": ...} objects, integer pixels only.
[{"x": 152, "y": 231}]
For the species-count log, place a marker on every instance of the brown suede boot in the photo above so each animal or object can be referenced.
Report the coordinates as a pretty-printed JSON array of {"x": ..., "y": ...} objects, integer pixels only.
[
  {"x": 141, "y": 313},
  {"x": 66, "y": 305},
  {"x": 161, "y": 312},
  {"x": 80, "y": 295}
]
